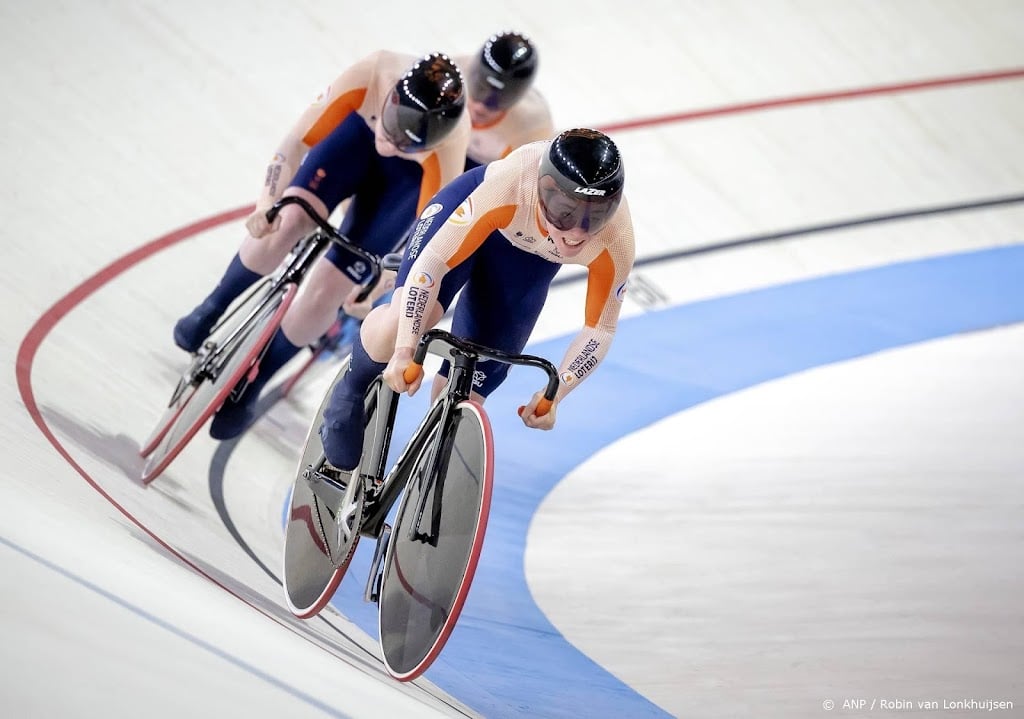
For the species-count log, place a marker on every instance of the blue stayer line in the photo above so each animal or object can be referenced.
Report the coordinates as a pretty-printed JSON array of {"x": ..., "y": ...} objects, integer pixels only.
[{"x": 505, "y": 658}]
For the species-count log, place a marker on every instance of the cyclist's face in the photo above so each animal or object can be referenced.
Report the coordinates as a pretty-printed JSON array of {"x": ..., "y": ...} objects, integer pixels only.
[
  {"x": 481, "y": 114},
  {"x": 381, "y": 142},
  {"x": 563, "y": 216},
  {"x": 570, "y": 243},
  {"x": 570, "y": 213},
  {"x": 560, "y": 211}
]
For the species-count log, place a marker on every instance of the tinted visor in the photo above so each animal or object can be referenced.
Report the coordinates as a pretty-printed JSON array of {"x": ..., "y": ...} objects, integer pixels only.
[
  {"x": 564, "y": 211},
  {"x": 405, "y": 126},
  {"x": 490, "y": 90}
]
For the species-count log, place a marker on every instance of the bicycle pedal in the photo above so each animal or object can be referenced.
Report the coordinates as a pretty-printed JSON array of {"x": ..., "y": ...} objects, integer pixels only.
[
  {"x": 328, "y": 486},
  {"x": 326, "y": 473}
]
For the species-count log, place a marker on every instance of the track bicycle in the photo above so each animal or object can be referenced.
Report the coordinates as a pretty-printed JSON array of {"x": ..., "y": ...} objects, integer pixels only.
[
  {"x": 230, "y": 357},
  {"x": 424, "y": 564}
]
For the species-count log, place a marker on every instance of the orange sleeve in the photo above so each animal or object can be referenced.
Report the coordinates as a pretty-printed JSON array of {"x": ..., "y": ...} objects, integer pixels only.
[
  {"x": 334, "y": 115},
  {"x": 488, "y": 223},
  {"x": 431, "y": 182},
  {"x": 599, "y": 287}
]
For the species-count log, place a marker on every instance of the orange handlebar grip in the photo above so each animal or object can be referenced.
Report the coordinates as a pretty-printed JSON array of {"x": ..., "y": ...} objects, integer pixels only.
[
  {"x": 543, "y": 407},
  {"x": 412, "y": 373}
]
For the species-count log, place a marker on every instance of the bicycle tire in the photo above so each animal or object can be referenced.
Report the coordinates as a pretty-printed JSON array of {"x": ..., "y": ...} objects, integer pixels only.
[
  {"x": 196, "y": 404},
  {"x": 315, "y": 557},
  {"x": 179, "y": 398},
  {"x": 187, "y": 384},
  {"x": 424, "y": 585}
]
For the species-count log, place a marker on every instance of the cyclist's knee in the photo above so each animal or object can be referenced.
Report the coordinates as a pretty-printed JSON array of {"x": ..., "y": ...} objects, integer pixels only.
[
  {"x": 326, "y": 288},
  {"x": 295, "y": 224},
  {"x": 315, "y": 309},
  {"x": 379, "y": 331}
]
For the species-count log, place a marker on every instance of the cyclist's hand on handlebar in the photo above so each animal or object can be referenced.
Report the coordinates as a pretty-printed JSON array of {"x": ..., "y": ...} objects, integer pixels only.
[
  {"x": 257, "y": 224},
  {"x": 529, "y": 413},
  {"x": 356, "y": 309},
  {"x": 359, "y": 310},
  {"x": 394, "y": 373}
]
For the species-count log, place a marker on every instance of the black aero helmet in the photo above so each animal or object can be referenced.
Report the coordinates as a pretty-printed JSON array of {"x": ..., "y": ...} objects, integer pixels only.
[
  {"x": 425, "y": 104},
  {"x": 580, "y": 180},
  {"x": 503, "y": 70}
]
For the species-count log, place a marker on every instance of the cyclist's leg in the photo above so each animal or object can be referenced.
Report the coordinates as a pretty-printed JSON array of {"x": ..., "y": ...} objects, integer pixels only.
[
  {"x": 340, "y": 432},
  {"x": 254, "y": 259},
  {"x": 372, "y": 347},
  {"x": 317, "y": 182},
  {"x": 382, "y": 195},
  {"x": 309, "y": 317},
  {"x": 191, "y": 330},
  {"x": 376, "y": 340},
  {"x": 331, "y": 172},
  {"x": 376, "y": 219},
  {"x": 341, "y": 440},
  {"x": 316, "y": 306},
  {"x": 239, "y": 411}
]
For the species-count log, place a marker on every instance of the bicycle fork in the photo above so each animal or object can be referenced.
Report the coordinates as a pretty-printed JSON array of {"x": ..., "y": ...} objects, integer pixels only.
[
  {"x": 463, "y": 364},
  {"x": 372, "y": 591}
]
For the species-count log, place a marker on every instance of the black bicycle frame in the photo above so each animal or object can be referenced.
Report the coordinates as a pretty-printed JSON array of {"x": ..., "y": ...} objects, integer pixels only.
[
  {"x": 460, "y": 380},
  {"x": 463, "y": 356},
  {"x": 329, "y": 232},
  {"x": 303, "y": 256},
  {"x": 385, "y": 491}
]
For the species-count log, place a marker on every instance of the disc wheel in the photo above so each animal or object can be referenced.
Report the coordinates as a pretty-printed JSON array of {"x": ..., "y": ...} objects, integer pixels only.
[
  {"x": 436, "y": 543},
  {"x": 231, "y": 359},
  {"x": 323, "y": 520}
]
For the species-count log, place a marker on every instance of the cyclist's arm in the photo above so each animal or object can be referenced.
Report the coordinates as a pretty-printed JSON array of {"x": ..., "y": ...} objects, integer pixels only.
[
  {"x": 449, "y": 247},
  {"x": 342, "y": 97},
  {"x": 444, "y": 163},
  {"x": 533, "y": 121},
  {"x": 606, "y": 288},
  {"x": 591, "y": 344}
]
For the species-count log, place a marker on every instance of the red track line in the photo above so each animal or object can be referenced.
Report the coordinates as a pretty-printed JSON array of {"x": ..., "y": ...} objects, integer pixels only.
[
  {"x": 758, "y": 105},
  {"x": 34, "y": 339}
]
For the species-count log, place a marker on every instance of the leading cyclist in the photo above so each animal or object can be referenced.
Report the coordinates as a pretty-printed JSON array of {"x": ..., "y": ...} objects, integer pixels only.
[{"x": 499, "y": 233}]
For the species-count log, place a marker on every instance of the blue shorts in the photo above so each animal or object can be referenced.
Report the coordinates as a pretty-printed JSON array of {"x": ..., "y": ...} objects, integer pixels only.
[
  {"x": 384, "y": 190},
  {"x": 503, "y": 287}
]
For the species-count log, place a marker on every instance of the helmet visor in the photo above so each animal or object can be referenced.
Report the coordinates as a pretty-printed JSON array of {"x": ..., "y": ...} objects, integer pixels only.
[
  {"x": 564, "y": 211},
  {"x": 490, "y": 90},
  {"x": 405, "y": 126}
]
